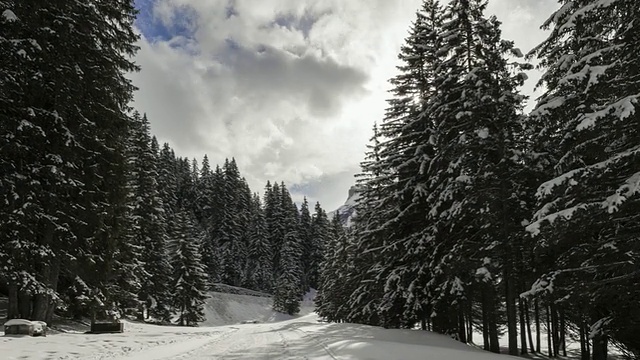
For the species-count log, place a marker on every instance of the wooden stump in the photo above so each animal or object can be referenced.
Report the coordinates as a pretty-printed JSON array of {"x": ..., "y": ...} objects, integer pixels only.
[{"x": 107, "y": 328}]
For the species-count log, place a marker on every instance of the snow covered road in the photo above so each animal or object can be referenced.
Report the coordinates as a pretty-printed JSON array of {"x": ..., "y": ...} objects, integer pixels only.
[
  {"x": 285, "y": 340},
  {"x": 303, "y": 338}
]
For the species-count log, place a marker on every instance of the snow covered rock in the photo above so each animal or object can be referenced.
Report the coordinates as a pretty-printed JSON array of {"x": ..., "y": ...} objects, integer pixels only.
[
  {"x": 347, "y": 211},
  {"x": 25, "y": 327}
]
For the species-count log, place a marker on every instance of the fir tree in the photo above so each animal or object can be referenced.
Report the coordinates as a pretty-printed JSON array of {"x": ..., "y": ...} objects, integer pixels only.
[
  {"x": 334, "y": 276},
  {"x": 259, "y": 271},
  {"x": 319, "y": 237},
  {"x": 233, "y": 227},
  {"x": 287, "y": 294},
  {"x": 474, "y": 190},
  {"x": 374, "y": 184},
  {"x": 189, "y": 276},
  {"x": 305, "y": 232},
  {"x": 65, "y": 156},
  {"x": 148, "y": 222},
  {"x": 587, "y": 123}
]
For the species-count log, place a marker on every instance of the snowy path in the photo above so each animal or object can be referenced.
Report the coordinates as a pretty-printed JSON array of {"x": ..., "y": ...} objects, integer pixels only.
[
  {"x": 247, "y": 341},
  {"x": 303, "y": 338}
]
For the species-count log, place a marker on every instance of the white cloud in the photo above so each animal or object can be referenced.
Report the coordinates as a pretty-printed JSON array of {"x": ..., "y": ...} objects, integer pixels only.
[{"x": 290, "y": 88}]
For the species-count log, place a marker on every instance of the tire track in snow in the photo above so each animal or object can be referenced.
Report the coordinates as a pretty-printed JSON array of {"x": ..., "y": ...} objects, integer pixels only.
[
  {"x": 200, "y": 349},
  {"x": 318, "y": 342}
]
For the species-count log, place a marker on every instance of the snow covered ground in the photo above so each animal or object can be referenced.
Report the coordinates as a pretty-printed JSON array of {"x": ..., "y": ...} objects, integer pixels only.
[
  {"x": 226, "y": 335},
  {"x": 299, "y": 338},
  {"x": 242, "y": 327}
]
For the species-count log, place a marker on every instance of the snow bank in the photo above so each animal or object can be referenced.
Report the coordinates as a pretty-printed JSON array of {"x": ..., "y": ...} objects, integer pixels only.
[
  {"x": 228, "y": 309},
  {"x": 13, "y": 322}
]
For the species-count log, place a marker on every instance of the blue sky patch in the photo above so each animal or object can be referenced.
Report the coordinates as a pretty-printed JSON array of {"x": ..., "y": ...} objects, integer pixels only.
[
  {"x": 230, "y": 9},
  {"x": 183, "y": 22},
  {"x": 304, "y": 23}
]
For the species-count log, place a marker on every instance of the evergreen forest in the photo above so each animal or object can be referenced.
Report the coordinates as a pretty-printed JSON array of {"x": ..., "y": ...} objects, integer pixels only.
[
  {"x": 97, "y": 218},
  {"x": 482, "y": 213},
  {"x": 478, "y": 219}
]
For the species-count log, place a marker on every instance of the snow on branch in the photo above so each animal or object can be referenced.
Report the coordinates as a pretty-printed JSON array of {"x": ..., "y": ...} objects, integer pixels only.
[
  {"x": 543, "y": 110},
  {"x": 622, "y": 109},
  {"x": 628, "y": 189},
  {"x": 546, "y": 188},
  {"x": 566, "y": 214},
  {"x": 9, "y": 16},
  {"x": 581, "y": 12}
]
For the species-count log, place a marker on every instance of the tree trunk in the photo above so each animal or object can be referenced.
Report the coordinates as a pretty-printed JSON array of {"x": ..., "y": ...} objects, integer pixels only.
[
  {"x": 485, "y": 320},
  {"x": 523, "y": 326},
  {"x": 549, "y": 332},
  {"x": 563, "y": 333},
  {"x": 584, "y": 343},
  {"x": 599, "y": 346},
  {"x": 462, "y": 329},
  {"x": 512, "y": 319},
  {"x": 555, "y": 339},
  {"x": 24, "y": 305},
  {"x": 470, "y": 322},
  {"x": 41, "y": 303},
  {"x": 494, "y": 346},
  {"x": 50, "y": 313},
  {"x": 528, "y": 320},
  {"x": 13, "y": 311},
  {"x": 423, "y": 323},
  {"x": 537, "y": 315}
]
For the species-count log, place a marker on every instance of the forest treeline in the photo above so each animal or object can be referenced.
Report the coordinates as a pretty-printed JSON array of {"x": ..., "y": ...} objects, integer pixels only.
[
  {"x": 96, "y": 218},
  {"x": 476, "y": 217}
]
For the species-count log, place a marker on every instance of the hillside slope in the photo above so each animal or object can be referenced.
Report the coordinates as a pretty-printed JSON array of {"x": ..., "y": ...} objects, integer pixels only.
[{"x": 227, "y": 309}]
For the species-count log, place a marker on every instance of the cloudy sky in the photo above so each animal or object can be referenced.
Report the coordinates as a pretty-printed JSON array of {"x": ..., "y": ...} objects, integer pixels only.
[{"x": 290, "y": 88}]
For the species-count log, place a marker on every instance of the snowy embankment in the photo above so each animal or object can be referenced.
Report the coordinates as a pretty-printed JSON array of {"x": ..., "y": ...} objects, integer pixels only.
[
  {"x": 300, "y": 338},
  {"x": 272, "y": 338},
  {"x": 227, "y": 309}
]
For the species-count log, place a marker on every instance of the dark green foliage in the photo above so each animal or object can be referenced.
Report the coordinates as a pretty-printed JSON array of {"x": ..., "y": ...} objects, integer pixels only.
[
  {"x": 305, "y": 232},
  {"x": 90, "y": 203},
  {"x": 287, "y": 293},
  {"x": 259, "y": 271},
  {"x": 588, "y": 126},
  {"x": 443, "y": 196},
  {"x": 232, "y": 234},
  {"x": 334, "y": 279},
  {"x": 319, "y": 237},
  {"x": 190, "y": 278},
  {"x": 63, "y": 147},
  {"x": 148, "y": 223},
  {"x": 448, "y": 186}
]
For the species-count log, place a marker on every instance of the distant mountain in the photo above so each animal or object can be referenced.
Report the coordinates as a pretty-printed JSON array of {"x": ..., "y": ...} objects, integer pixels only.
[{"x": 347, "y": 211}]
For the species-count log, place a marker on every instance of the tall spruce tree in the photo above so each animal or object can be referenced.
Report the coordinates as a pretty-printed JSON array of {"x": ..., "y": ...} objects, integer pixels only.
[
  {"x": 334, "y": 287},
  {"x": 63, "y": 146},
  {"x": 319, "y": 235},
  {"x": 148, "y": 222},
  {"x": 233, "y": 227},
  {"x": 259, "y": 271},
  {"x": 406, "y": 157},
  {"x": 369, "y": 239},
  {"x": 189, "y": 275},
  {"x": 587, "y": 218},
  {"x": 275, "y": 216},
  {"x": 475, "y": 198},
  {"x": 287, "y": 293},
  {"x": 305, "y": 232}
]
